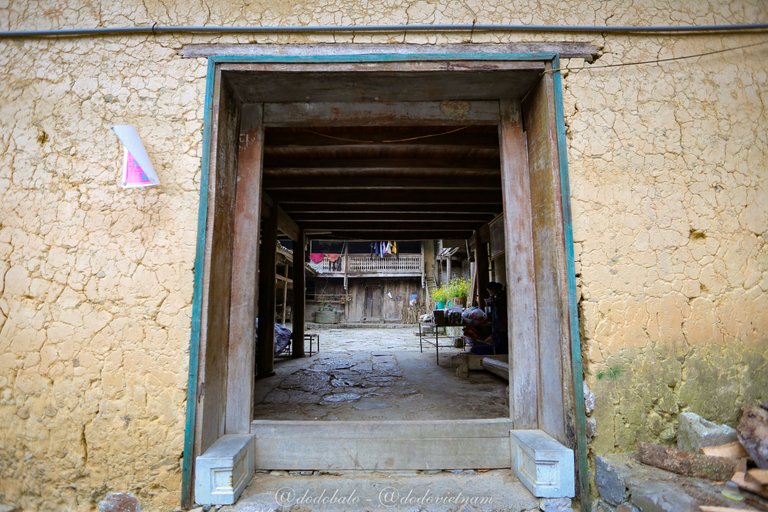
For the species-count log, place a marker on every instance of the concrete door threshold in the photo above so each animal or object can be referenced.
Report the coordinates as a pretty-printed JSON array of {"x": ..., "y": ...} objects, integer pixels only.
[{"x": 358, "y": 491}]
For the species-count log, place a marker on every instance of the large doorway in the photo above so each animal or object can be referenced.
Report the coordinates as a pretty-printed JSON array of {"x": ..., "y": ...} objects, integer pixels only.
[{"x": 451, "y": 95}]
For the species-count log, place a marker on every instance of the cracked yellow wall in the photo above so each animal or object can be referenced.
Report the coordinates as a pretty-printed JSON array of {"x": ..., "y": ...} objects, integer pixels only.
[{"x": 669, "y": 171}]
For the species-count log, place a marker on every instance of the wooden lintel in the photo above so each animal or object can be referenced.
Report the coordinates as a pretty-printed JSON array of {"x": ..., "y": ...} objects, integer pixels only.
[
  {"x": 382, "y": 113},
  {"x": 566, "y": 49},
  {"x": 286, "y": 225}
]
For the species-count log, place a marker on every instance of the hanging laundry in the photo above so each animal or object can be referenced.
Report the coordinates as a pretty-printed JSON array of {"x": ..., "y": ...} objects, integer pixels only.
[
  {"x": 394, "y": 247},
  {"x": 316, "y": 257},
  {"x": 388, "y": 248},
  {"x": 335, "y": 261}
]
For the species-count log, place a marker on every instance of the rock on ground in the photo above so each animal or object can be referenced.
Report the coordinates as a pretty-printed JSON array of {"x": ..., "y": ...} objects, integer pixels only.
[{"x": 694, "y": 433}]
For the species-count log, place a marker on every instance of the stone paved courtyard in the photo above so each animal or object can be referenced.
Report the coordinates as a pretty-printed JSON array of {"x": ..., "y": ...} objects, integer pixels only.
[{"x": 377, "y": 374}]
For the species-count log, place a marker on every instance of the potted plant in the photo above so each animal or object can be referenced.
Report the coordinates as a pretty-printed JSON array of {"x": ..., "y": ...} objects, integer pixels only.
[
  {"x": 440, "y": 296},
  {"x": 458, "y": 289}
]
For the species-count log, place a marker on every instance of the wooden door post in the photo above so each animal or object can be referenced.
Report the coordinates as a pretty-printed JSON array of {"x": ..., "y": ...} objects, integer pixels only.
[
  {"x": 245, "y": 261},
  {"x": 521, "y": 288},
  {"x": 299, "y": 290},
  {"x": 266, "y": 348}
]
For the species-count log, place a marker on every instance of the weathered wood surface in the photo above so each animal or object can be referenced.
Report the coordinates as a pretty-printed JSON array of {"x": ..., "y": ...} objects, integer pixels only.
[
  {"x": 212, "y": 379},
  {"x": 521, "y": 286},
  {"x": 266, "y": 346},
  {"x": 299, "y": 295},
  {"x": 245, "y": 261},
  {"x": 732, "y": 450},
  {"x": 549, "y": 261},
  {"x": 286, "y": 225},
  {"x": 685, "y": 463},
  {"x": 566, "y": 49},
  {"x": 381, "y": 113},
  {"x": 481, "y": 263}
]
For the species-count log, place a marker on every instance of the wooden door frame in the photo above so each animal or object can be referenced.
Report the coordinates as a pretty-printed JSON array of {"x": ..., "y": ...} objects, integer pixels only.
[{"x": 522, "y": 308}]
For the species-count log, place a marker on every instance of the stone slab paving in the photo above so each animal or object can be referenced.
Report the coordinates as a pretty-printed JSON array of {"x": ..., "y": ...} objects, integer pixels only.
[
  {"x": 377, "y": 374},
  {"x": 409, "y": 491}
]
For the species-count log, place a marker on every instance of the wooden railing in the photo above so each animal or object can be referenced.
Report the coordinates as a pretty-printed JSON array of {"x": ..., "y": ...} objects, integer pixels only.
[{"x": 366, "y": 265}]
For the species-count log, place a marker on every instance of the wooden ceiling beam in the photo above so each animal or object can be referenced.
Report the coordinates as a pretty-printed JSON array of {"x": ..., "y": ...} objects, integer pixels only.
[
  {"x": 384, "y": 196},
  {"x": 483, "y": 137},
  {"x": 434, "y": 113},
  {"x": 382, "y": 183},
  {"x": 380, "y": 149},
  {"x": 388, "y": 235},
  {"x": 446, "y": 216},
  {"x": 296, "y": 209},
  {"x": 362, "y": 172}
]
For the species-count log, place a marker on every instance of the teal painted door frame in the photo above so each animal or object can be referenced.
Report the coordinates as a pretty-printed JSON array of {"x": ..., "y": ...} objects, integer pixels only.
[{"x": 194, "y": 352}]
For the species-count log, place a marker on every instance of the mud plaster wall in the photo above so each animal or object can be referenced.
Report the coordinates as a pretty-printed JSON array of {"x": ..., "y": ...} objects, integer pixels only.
[{"x": 668, "y": 174}]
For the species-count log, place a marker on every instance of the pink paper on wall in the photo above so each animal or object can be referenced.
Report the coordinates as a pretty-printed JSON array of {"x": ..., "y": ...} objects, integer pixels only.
[{"x": 137, "y": 169}]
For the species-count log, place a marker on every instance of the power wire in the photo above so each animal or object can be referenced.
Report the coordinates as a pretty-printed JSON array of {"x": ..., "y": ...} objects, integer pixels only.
[{"x": 656, "y": 61}]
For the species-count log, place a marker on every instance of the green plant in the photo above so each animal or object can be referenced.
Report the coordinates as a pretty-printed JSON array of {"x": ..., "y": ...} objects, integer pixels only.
[
  {"x": 612, "y": 373},
  {"x": 458, "y": 287},
  {"x": 440, "y": 294}
]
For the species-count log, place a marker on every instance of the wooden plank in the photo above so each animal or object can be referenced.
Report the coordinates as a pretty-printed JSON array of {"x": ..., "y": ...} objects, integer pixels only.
[
  {"x": 364, "y": 235},
  {"x": 286, "y": 225},
  {"x": 217, "y": 290},
  {"x": 381, "y": 113},
  {"x": 447, "y": 216},
  {"x": 266, "y": 348},
  {"x": 566, "y": 49},
  {"x": 759, "y": 475},
  {"x": 732, "y": 450},
  {"x": 245, "y": 261},
  {"x": 426, "y": 151},
  {"x": 549, "y": 260},
  {"x": 521, "y": 287},
  {"x": 396, "y": 429},
  {"x": 382, "y": 454},
  {"x": 299, "y": 295},
  {"x": 713, "y": 508},
  {"x": 363, "y": 169},
  {"x": 332, "y": 195},
  {"x": 481, "y": 262},
  {"x": 311, "y": 207},
  {"x": 472, "y": 184}
]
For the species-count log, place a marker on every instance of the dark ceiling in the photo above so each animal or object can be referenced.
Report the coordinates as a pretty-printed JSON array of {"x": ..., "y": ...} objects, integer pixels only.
[
  {"x": 402, "y": 182},
  {"x": 348, "y": 154}
]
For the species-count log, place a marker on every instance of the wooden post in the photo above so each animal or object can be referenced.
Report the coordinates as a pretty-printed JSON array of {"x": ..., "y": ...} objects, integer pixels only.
[
  {"x": 299, "y": 291},
  {"x": 285, "y": 297},
  {"x": 521, "y": 288},
  {"x": 266, "y": 354},
  {"x": 245, "y": 261},
  {"x": 481, "y": 264}
]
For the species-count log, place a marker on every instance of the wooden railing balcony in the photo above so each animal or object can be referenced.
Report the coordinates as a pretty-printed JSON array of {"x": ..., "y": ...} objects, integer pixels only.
[{"x": 364, "y": 265}]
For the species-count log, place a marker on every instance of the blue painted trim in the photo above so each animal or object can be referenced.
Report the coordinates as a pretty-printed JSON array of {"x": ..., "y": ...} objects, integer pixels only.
[
  {"x": 197, "y": 296},
  {"x": 384, "y": 57},
  {"x": 573, "y": 307}
]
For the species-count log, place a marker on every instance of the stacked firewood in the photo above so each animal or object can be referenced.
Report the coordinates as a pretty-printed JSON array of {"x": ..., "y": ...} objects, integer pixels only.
[{"x": 743, "y": 464}]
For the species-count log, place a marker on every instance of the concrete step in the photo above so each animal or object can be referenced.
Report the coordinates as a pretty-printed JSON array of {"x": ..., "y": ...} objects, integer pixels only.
[
  {"x": 357, "y": 491},
  {"x": 386, "y": 445}
]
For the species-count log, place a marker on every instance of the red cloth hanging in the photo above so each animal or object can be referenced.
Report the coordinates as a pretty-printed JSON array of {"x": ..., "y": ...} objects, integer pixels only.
[{"x": 316, "y": 257}]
